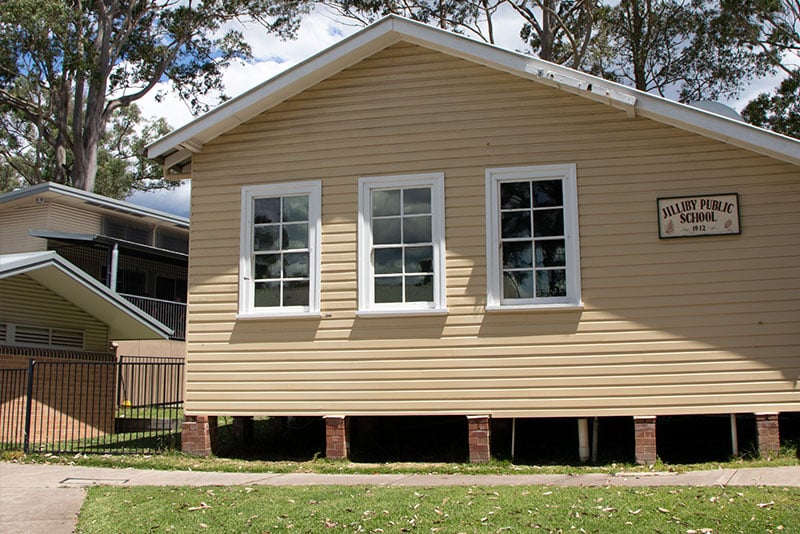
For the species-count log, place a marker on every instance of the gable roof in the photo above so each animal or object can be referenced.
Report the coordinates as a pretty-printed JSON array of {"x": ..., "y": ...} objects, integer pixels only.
[
  {"x": 49, "y": 190},
  {"x": 124, "y": 320},
  {"x": 177, "y": 147}
]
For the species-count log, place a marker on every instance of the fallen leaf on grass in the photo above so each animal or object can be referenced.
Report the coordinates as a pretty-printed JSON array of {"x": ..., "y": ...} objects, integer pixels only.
[
  {"x": 201, "y": 507},
  {"x": 765, "y": 504},
  {"x": 663, "y": 510},
  {"x": 635, "y": 512}
]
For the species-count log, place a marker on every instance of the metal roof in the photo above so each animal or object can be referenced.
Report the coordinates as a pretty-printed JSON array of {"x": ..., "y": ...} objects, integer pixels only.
[
  {"x": 93, "y": 199},
  {"x": 124, "y": 320}
]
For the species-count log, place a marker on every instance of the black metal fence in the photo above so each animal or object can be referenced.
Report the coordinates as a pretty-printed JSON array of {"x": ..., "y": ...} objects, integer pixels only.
[
  {"x": 134, "y": 405},
  {"x": 172, "y": 314}
]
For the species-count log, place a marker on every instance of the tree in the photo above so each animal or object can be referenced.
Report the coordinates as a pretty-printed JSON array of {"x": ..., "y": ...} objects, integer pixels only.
[
  {"x": 558, "y": 30},
  {"x": 121, "y": 162},
  {"x": 773, "y": 28},
  {"x": 66, "y": 66},
  {"x": 779, "y": 111},
  {"x": 122, "y": 165},
  {"x": 676, "y": 48},
  {"x": 471, "y": 16}
]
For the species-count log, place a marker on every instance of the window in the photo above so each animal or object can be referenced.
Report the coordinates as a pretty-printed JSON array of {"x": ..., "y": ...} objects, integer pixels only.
[
  {"x": 532, "y": 237},
  {"x": 401, "y": 244},
  {"x": 128, "y": 230},
  {"x": 174, "y": 241},
  {"x": 280, "y": 263}
]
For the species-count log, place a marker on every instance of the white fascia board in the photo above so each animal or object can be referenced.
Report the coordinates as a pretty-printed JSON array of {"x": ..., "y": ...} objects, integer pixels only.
[
  {"x": 275, "y": 90},
  {"x": 521, "y": 65},
  {"x": 733, "y": 132},
  {"x": 619, "y": 96},
  {"x": 393, "y": 29}
]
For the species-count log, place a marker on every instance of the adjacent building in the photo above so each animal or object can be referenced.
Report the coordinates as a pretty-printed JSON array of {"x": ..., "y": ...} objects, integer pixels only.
[{"x": 139, "y": 253}]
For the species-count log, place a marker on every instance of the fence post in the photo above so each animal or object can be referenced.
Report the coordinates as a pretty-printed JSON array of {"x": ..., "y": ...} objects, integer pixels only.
[{"x": 28, "y": 405}]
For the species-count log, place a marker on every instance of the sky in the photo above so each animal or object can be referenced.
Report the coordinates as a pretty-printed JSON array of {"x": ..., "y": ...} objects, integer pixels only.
[{"x": 271, "y": 56}]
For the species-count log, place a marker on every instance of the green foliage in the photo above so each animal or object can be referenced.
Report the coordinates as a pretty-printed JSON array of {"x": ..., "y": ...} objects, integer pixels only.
[
  {"x": 675, "y": 47},
  {"x": 121, "y": 162},
  {"x": 560, "y": 31},
  {"x": 779, "y": 111},
  {"x": 439, "y": 509},
  {"x": 66, "y": 67}
]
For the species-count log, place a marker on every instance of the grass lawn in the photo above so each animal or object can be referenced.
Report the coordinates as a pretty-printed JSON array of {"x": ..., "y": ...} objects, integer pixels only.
[{"x": 441, "y": 509}]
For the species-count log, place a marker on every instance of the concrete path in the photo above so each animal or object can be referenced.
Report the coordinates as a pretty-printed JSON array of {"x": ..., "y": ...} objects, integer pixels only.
[{"x": 46, "y": 498}]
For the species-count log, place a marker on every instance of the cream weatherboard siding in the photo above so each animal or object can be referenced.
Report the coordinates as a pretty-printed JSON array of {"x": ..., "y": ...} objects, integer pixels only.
[
  {"x": 27, "y": 302},
  {"x": 702, "y": 325},
  {"x": 15, "y": 224}
]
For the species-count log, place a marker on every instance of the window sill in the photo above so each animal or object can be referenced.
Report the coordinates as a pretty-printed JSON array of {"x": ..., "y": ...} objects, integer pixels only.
[
  {"x": 533, "y": 308},
  {"x": 278, "y": 315},
  {"x": 406, "y": 312}
]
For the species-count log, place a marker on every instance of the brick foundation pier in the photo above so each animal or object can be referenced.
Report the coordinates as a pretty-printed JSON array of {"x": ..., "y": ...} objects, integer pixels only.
[
  {"x": 199, "y": 435},
  {"x": 645, "y": 440}
]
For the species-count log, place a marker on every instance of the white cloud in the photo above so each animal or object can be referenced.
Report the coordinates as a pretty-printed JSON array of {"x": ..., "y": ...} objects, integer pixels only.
[
  {"x": 175, "y": 201},
  {"x": 271, "y": 56}
]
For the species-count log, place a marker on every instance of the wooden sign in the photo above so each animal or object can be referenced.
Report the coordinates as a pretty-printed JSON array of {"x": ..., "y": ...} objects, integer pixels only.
[{"x": 698, "y": 216}]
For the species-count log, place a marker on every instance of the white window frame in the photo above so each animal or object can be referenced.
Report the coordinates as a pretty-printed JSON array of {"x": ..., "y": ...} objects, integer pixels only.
[
  {"x": 312, "y": 188},
  {"x": 494, "y": 177},
  {"x": 366, "y": 297}
]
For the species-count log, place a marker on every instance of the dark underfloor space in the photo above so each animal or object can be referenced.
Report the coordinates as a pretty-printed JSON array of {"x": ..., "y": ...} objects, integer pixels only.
[
  {"x": 543, "y": 441},
  {"x": 272, "y": 438},
  {"x": 704, "y": 438},
  {"x": 537, "y": 441},
  {"x": 790, "y": 431},
  {"x": 409, "y": 439}
]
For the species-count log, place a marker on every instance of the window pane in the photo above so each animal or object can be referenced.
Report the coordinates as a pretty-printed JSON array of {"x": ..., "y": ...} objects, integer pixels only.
[
  {"x": 386, "y": 231},
  {"x": 267, "y": 266},
  {"x": 417, "y": 200},
  {"x": 548, "y": 223},
  {"x": 295, "y": 293},
  {"x": 417, "y": 229},
  {"x": 295, "y": 236},
  {"x": 385, "y": 203},
  {"x": 516, "y": 224},
  {"x": 517, "y": 255},
  {"x": 295, "y": 265},
  {"x": 518, "y": 285},
  {"x": 388, "y": 260},
  {"x": 266, "y": 237},
  {"x": 267, "y": 210},
  {"x": 547, "y": 193},
  {"x": 267, "y": 294},
  {"x": 515, "y": 195},
  {"x": 295, "y": 208},
  {"x": 419, "y": 259},
  {"x": 551, "y": 283},
  {"x": 389, "y": 289},
  {"x": 550, "y": 253},
  {"x": 419, "y": 289}
]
